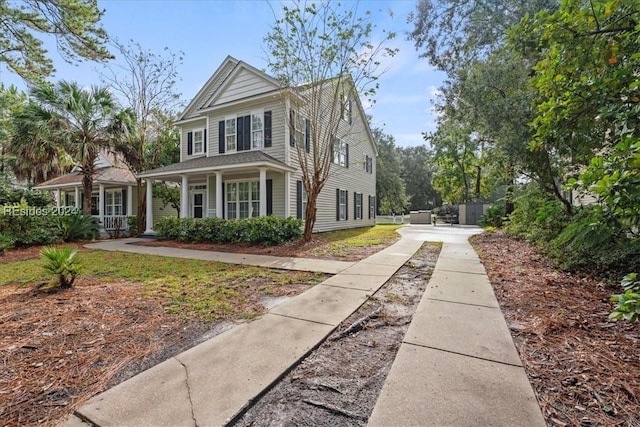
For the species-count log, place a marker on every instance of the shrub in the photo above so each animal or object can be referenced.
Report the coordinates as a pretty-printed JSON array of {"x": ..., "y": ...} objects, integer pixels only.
[
  {"x": 63, "y": 263},
  {"x": 266, "y": 230},
  {"x": 493, "y": 217},
  {"x": 537, "y": 217},
  {"x": 77, "y": 227},
  {"x": 27, "y": 225},
  {"x": 132, "y": 225},
  {"x": 628, "y": 303},
  {"x": 590, "y": 243}
]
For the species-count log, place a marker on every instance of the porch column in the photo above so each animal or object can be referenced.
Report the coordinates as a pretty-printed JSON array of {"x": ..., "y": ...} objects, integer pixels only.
[
  {"x": 77, "y": 197},
  {"x": 101, "y": 203},
  {"x": 219, "y": 190},
  {"x": 184, "y": 197},
  {"x": 287, "y": 194},
  {"x": 129, "y": 200},
  {"x": 263, "y": 192},
  {"x": 149, "y": 215},
  {"x": 58, "y": 198}
]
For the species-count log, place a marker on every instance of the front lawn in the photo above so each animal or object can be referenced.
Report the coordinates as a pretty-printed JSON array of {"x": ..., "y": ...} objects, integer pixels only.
[{"x": 125, "y": 313}]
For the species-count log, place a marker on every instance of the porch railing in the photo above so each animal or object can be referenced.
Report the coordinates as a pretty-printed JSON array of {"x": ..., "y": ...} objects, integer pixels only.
[{"x": 115, "y": 222}]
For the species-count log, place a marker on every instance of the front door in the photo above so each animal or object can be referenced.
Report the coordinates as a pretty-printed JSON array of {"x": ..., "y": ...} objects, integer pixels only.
[{"x": 197, "y": 204}]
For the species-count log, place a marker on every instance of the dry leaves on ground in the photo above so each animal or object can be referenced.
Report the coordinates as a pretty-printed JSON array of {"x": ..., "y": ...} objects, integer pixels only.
[{"x": 584, "y": 370}]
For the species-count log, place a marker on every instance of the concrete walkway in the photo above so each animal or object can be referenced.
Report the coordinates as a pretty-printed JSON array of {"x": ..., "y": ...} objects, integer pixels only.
[{"x": 456, "y": 366}]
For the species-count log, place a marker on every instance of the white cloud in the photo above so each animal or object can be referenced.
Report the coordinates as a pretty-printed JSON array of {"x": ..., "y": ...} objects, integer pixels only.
[{"x": 408, "y": 139}]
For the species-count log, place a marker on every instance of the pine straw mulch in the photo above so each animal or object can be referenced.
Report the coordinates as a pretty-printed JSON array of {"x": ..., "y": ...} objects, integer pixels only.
[
  {"x": 59, "y": 349},
  {"x": 585, "y": 371},
  {"x": 317, "y": 247}
]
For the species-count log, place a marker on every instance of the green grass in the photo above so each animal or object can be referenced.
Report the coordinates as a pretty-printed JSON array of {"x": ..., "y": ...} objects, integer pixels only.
[
  {"x": 360, "y": 237},
  {"x": 190, "y": 288}
]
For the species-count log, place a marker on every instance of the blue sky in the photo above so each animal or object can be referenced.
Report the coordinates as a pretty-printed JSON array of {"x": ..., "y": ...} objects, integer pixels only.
[{"x": 206, "y": 31}]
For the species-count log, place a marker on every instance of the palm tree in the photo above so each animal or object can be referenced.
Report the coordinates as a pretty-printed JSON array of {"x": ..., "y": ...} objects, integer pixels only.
[
  {"x": 33, "y": 157},
  {"x": 81, "y": 121}
]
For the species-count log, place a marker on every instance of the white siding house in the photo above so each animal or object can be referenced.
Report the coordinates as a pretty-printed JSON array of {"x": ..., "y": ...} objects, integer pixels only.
[{"x": 239, "y": 157}]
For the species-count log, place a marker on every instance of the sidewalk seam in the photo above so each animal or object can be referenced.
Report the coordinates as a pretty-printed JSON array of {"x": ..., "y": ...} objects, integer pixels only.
[
  {"x": 303, "y": 320},
  {"x": 463, "y": 303},
  {"x": 461, "y": 354},
  {"x": 458, "y": 271}
]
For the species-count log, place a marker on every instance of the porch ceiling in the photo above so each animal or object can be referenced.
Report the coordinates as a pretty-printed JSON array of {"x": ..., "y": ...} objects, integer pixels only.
[{"x": 236, "y": 162}]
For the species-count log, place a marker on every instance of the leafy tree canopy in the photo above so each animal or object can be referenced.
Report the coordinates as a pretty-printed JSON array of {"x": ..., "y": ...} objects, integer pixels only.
[{"x": 73, "y": 23}]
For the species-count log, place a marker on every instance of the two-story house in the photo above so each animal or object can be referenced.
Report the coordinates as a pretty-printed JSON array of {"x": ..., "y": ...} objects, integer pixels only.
[{"x": 239, "y": 155}]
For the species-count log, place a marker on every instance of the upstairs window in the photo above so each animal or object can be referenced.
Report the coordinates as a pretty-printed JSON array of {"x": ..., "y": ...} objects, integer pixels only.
[
  {"x": 230, "y": 133},
  {"x": 347, "y": 114},
  {"x": 257, "y": 130},
  {"x": 368, "y": 163},
  {"x": 197, "y": 141},
  {"x": 340, "y": 152}
]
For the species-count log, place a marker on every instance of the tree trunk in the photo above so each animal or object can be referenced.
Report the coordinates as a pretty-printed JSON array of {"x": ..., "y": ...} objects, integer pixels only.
[
  {"x": 87, "y": 186},
  {"x": 310, "y": 216},
  {"x": 141, "y": 207},
  {"x": 478, "y": 181}
]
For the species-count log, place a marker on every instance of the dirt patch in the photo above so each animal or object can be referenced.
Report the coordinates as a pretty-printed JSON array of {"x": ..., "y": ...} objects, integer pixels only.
[
  {"x": 584, "y": 370},
  {"x": 339, "y": 382}
]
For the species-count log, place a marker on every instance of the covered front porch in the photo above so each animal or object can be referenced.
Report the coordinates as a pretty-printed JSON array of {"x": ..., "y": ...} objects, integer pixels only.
[
  {"x": 238, "y": 185},
  {"x": 112, "y": 199}
]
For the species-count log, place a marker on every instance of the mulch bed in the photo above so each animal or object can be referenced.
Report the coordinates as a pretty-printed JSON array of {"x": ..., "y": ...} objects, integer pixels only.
[
  {"x": 297, "y": 249},
  {"x": 585, "y": 370}
]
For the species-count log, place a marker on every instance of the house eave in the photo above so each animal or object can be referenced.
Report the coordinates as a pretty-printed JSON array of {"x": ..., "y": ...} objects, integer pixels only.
[{"x": 213, "y": 169}]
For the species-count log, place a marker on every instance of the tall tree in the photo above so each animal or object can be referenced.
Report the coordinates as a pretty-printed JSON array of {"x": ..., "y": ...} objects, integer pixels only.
[
  {"x": 453, "y": 33},
  {"x": 73, "y": 23},
  {"x": 33, "y": 155},
  {"x": 80, "y": 120},
  {"x": 391, "y": 192},
  {"x": 12, "y": 101},
  {"x": 417, "y": 173},
  {"x": 146, "y": 83},
  {"x": 324, "y": 57}
]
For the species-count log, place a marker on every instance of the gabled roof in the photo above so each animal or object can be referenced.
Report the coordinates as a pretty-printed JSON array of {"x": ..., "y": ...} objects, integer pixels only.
[
  {"x": 106, "y": 175},
  {"x": 252, "y": 158},
  {"x": 218, "y": 82}
]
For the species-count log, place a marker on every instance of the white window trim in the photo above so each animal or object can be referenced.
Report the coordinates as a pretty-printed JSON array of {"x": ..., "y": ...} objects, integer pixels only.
[
  {"x": 340, "y": 152},
  {"x": 237, "y": 201},
  {"x": 253, "y": 131},
  {"x": 202, "y": 142},
  {"x": 113, "y": 205},
  {"x": 305, "y": 201},
  {"x": 227, "y": 134},
  {"x": 358, "y": 203},
  {"x": 342, "y": 205}
]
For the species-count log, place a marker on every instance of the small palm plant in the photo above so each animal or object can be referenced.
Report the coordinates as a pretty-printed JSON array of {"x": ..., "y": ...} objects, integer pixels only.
[{"x": 63, "y": 263}]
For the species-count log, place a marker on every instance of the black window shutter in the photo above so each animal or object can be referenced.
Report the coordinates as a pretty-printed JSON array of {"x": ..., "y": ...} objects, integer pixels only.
[
  {"x": 204, "y": 140},
  {"x": 346, "y": 148},
  {"x": 223, "y": 203},
  {"x": 221, "y": 142},
  {"x": 299, "y": 199},
  {"x": 337, "y": 204},
  {"x": 190, "y": 143},
  {"x": 346, "y": 205},
  {"x": 369, "y": 206},
  {"x": 292, "y": 128},
  {"x": 355, "y": 204},
  {"x": 124, "y": 201},
  {"x": 269, "y": 197},
  {"x": 307, "y": 135},
  {"x": 247, "y": 133},
  {"x": 240, "y": 134},
  {"x": 267, "y": 128}
]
